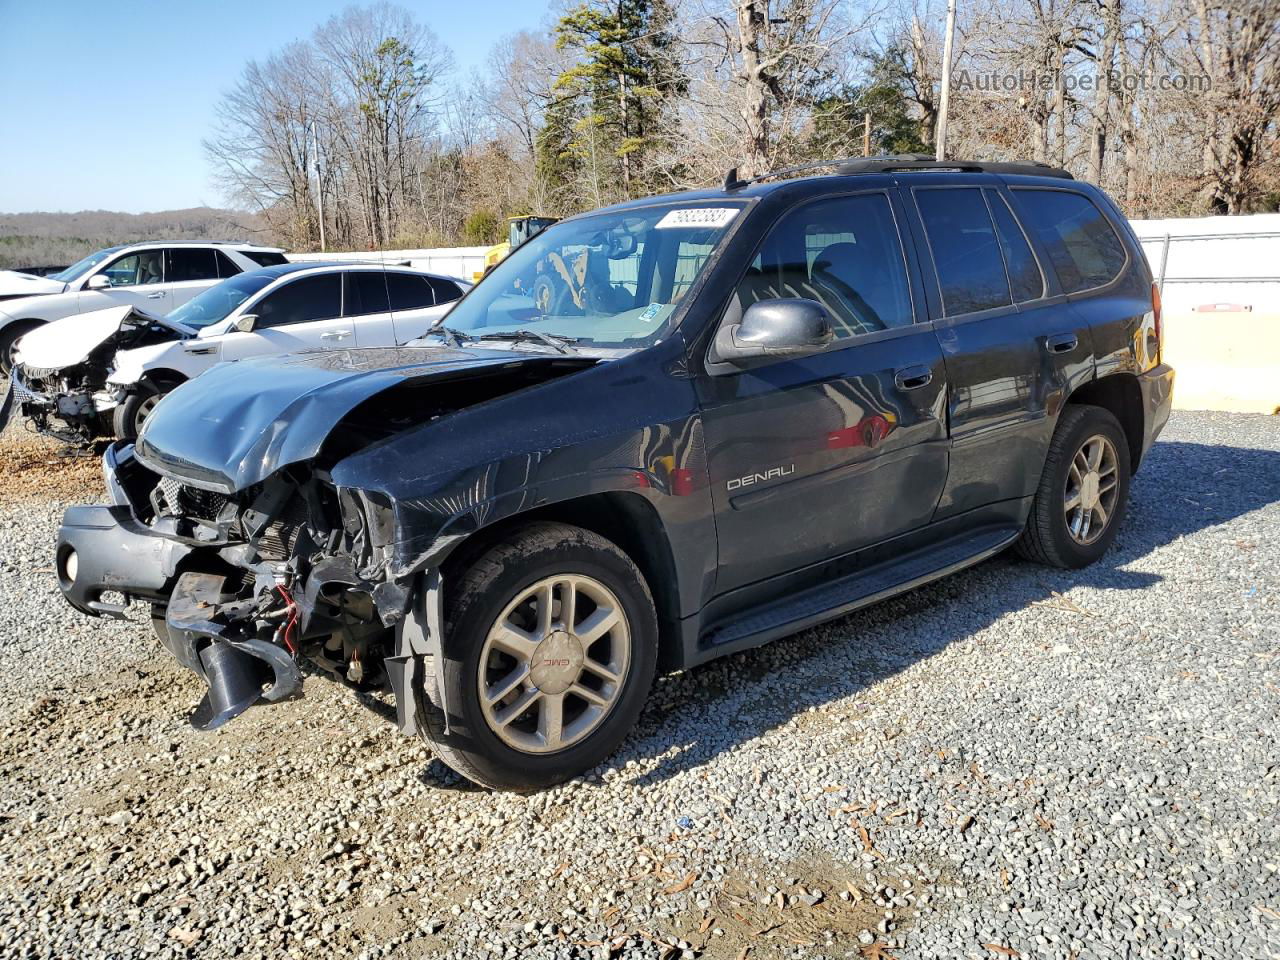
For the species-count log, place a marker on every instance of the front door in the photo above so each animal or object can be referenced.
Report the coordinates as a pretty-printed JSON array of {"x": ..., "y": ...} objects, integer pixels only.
[
  {"x": 812, "y": 458},
  {"x": 304, "y": 314},
  {"x": 134, "y": 280}
]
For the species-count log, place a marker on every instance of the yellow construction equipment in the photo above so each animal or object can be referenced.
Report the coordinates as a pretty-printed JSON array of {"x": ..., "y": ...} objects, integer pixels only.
[{"x": 519, "y": 229}]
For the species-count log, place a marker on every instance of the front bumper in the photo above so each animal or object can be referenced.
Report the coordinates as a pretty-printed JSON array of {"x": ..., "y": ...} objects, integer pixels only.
[
  {"x": 1157, "y": 402},
  {"x": 102, "y": 549}
]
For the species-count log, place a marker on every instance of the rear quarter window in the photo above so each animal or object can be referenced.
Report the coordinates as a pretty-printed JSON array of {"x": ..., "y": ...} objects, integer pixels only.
[
  {"x": 264, "y": 258},
  {"x": 446, "y": 291},
  {"x": 1081, "y": 243}
]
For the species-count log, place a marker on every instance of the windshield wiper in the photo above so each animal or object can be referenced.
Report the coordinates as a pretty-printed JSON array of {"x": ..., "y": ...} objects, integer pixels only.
[
  {"x": 562, "y": 344},
  {"x": 455, "y": 338}
]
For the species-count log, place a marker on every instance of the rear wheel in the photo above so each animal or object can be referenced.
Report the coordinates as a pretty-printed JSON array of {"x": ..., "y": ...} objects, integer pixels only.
[
  {"x": 549, "y": 651},
  {"x": 9, "y": 340},
  {"x": 1083, "y": 491}
]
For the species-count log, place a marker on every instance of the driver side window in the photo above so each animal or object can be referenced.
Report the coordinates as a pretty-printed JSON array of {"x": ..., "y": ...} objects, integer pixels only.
[
  {"x": 303, "y": 300},
  {"x": 843, "y": 252},
  {"x": 136, "y": 269}
]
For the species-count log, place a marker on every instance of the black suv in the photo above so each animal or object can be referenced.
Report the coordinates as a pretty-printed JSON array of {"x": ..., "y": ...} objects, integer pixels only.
[{"x": 655, "y": 434}]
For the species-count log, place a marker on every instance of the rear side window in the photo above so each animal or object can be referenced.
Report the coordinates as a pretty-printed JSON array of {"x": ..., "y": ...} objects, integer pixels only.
[
  {"x": 843, "y": 252},
  {"x": 264, "y": 258},
  {"x": 366, "y": 293},
  {"x": 1025, "y": 281},
  {"x": 966, "y": 254},
  {"x": 446, "y": 291},
  {"x": 190, "y": 263},
  {"x": 409, "y": 292},
  {"x": 302, "y": 300},
  {"x": 1081, "y": 242},
  {"x": 225, "y": 267}
]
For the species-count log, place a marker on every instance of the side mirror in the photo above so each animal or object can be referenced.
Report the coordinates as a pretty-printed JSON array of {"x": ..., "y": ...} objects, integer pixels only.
[
  {"x": 774, "y": 330},
  {"x": 98, "y": 282},
  {"x": 247, "y": 323}
]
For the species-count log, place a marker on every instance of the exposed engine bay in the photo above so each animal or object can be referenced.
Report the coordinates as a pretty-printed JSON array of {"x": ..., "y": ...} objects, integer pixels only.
[{"x": 73, "y": 403}]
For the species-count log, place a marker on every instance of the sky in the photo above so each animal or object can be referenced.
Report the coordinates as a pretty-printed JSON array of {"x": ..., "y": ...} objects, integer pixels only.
[{"x": 103, "y": 105}]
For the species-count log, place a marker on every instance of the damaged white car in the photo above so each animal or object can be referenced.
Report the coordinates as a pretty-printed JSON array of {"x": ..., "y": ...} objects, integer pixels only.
[
  {"x": 102, "y": 373},
  {"x": 156, "y": 277}
]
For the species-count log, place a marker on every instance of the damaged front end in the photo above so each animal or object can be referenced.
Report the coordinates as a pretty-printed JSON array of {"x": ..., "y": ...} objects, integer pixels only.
[
  {"x": 248, "y": 584},
  {"x": 60, "y": 380},
  {"x": 68, "y": 405},
  {"x": 252, "y": 557}
]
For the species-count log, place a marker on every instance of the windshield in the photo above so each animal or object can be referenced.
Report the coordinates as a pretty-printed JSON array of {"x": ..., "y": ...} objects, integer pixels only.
[
  {"x": 81, "y": 267},
  {"x": 611, "y": 280},
  {"x": 218, "y": 301}
]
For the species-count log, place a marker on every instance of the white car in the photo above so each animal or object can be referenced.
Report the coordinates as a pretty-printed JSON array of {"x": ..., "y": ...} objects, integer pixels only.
[
  {"x": 105, "y": 371},
  {"x": 158, "y": 277}
]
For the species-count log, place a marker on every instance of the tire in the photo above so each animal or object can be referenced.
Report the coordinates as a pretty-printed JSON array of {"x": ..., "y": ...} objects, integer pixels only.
[
  {"x": 1050, "y": 536},
  {"x": 519, "y": 756},
  {"x": 9, "y": 338},
  {"x": 127, "y": 418}
]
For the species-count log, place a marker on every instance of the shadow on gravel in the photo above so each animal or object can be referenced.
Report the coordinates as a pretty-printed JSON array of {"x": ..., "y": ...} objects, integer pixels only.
[{"x": 1182, "y": 488}]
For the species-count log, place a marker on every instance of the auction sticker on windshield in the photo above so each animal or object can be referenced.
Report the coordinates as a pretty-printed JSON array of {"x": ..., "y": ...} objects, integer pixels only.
[{"x": 697, "y": 217}]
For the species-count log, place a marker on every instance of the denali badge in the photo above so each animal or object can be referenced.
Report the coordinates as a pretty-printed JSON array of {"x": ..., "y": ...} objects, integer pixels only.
[{"x": 772, "y": 473}]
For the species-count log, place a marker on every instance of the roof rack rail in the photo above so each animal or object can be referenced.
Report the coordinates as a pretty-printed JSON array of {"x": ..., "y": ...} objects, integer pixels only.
[
  {"x": 916, "y": 161},
  {"x": 899, "y": 163}
]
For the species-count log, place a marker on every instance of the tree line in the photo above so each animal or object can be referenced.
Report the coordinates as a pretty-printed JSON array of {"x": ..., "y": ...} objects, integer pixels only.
[{"x": 365, "y": 136}]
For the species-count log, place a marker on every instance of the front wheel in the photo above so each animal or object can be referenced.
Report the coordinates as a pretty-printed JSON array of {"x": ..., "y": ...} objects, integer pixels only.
[
  {"x": 1083, "y": 491},
  {"x": 9, "y": 337},
  {"x": 549, "y": 651},
  {"x": 132, "y": 413}
]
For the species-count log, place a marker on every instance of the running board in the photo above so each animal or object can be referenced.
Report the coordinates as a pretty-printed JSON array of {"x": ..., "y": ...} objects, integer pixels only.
[{"x": 839, "y": 597}]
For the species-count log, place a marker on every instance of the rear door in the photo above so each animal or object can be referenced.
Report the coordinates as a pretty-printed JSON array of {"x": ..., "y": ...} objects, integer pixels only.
[
  {"x": 1013, "y": 345},
  {"x": 390, "y": 307},
  {"x": 188, "y": 271},
  {"x": 414, "y": 308},
  {"x": 812, "y": 458},
  {"x": 302, "y": 314},
  {"x": 365, "y": 303}
]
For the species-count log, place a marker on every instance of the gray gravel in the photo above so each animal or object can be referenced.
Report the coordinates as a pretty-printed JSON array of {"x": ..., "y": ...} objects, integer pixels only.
[{"x": 1014, "y": 762}]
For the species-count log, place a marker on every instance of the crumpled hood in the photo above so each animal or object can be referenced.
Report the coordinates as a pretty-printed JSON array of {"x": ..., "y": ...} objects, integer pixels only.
[
  {"x": 15, "y": 284},
  {"x": 240, "y": 422},
  {"x": 66, "y": 342}
]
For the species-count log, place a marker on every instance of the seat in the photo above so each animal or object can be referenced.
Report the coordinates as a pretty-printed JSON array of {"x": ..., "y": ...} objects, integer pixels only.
[
  {"x": 149, "y": 270},
  {"x": 845, "y": 285}
]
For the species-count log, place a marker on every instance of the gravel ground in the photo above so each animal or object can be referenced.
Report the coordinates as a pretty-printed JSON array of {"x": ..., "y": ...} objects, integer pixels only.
[{"x": 1016, "y": 761}]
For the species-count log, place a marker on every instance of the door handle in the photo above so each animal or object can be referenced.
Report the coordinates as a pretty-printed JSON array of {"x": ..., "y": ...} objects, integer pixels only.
[
  {"x": 155, "y": 296},
  {"x": 336, "y": 335},
  {"x": 1061, "y": 343},
  {"x": 912, "y": 378}
]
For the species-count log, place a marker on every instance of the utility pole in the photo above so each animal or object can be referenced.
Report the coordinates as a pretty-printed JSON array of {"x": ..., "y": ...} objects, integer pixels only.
[
  {"x": 315, "y": 139},
  {"x": 866, "y": 134},
  {"x": 945, "y": 104}
]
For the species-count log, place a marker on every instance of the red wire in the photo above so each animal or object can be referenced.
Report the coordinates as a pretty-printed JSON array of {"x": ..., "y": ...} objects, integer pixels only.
[{"x": 292, "y": 622}]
